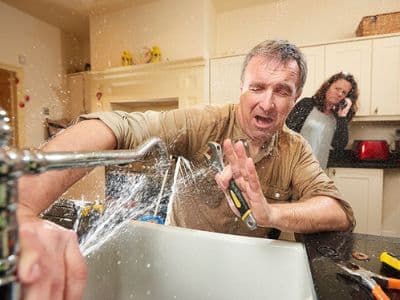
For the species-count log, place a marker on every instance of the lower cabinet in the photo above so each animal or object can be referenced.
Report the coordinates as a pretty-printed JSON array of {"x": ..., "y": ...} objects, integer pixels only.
[{"x": 363, "y": 189}]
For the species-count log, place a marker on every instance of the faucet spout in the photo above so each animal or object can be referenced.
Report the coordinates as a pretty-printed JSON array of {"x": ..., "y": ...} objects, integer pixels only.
[{"x": 15, "y": 163}]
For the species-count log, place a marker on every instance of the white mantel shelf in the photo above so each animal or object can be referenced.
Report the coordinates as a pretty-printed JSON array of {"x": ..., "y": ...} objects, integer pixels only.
[{"x": 119, "y": 72}]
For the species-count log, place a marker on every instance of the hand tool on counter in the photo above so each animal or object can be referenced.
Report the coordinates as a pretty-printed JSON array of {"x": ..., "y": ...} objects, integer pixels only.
[
  {"x": 373, "y": 282},
  {"x": 390, "y": 261},
  {"x": 236, "y": 195}
]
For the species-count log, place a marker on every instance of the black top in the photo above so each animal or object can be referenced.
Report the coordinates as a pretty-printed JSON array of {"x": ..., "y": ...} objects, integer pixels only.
[
  {"x": 299, "y": 114},
  {"x": 326, "y": 249}
]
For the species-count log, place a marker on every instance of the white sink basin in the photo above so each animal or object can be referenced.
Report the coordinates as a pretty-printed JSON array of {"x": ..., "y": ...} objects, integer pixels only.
[{"x": 149, "y": 261}]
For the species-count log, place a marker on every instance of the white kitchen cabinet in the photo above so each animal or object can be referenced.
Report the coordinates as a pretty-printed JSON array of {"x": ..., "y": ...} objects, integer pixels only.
[
  {"x": 315, "y": 56},
  {"x": 353, "y": 57},
  {"x": 374, "y": 62},
  {"x": 385, "y": 88},
  {"x": 225, "y": 79},
  {"x": 363, "y": 189}
]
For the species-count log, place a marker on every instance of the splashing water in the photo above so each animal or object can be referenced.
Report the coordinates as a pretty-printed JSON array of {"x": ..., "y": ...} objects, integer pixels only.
[
  {"x": 116, "y": 214},
  {"x": 137, "y": 197}
]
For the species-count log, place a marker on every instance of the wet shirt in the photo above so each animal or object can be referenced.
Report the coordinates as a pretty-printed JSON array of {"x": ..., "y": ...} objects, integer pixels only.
[{"x": 287, "y": 173}]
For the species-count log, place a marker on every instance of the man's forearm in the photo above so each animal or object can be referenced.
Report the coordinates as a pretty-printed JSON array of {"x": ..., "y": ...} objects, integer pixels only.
[
  {"x": 37, "y": 192},
  {"x": 319, "y": 213}
]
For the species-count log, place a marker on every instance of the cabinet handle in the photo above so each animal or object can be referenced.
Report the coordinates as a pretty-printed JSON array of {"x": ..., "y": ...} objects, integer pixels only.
[
  {"x": 334, "y": 172},
  {"x": 376, "y": 110}
]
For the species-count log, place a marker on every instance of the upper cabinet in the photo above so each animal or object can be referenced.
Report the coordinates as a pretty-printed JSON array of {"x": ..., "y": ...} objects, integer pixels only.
[
  {"x": 316, "y": 69},
  {"x": 385, "y": 89},
  {"x": 375, "y": 63},
  {"x": 225, "y": 79},
  {"x": 355, "y": 58}
]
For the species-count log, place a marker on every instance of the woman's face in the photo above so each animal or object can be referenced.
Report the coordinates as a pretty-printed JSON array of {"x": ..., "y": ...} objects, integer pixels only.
[{"x": 337, "y": 92}]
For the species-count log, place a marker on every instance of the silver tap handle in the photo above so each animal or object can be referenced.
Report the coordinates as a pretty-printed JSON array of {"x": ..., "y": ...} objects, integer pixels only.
[{"x": 17, "y": 162}]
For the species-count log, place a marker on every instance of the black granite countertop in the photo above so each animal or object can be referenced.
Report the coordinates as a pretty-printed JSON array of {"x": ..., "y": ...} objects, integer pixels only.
[
  {"x": 347, "y": 159},
  {"x": 324, "y": 250}
]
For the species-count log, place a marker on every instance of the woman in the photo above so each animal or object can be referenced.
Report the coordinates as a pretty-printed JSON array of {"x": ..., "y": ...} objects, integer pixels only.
[{"x": 323, "y": 119}]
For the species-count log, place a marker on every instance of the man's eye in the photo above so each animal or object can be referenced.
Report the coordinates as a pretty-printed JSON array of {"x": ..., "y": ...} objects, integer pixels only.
[
  {"x": 254, "y": 88},
  {"x": 283, "y": 93}
]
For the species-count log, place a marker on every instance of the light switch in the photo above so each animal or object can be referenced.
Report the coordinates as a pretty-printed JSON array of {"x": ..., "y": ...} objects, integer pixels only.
[{"x": 22, "y": 59}]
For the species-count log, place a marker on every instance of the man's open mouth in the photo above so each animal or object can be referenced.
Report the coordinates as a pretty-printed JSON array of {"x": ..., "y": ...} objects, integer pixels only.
[{"x": 263, "y": 121}]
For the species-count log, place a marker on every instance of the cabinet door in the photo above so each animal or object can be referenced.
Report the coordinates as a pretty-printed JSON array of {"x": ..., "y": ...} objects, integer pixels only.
[
  {"x": 363, "y": 189},
  {"x": 225, "y": 79},
  {"x": 316, "y": 69},
  {"x": 385, "y": 90},
  {"x": 353, "y": 57}
]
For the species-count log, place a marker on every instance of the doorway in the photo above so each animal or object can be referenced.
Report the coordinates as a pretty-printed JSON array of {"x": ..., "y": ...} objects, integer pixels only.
[{"x": 8, "y": 101}]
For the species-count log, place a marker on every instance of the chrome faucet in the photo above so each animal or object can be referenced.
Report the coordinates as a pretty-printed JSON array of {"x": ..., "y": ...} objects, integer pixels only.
[{"x": 15, "y": 163}]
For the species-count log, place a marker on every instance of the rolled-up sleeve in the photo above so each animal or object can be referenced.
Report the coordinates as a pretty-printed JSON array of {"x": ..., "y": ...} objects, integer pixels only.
[{"x": 309, "y": 180}]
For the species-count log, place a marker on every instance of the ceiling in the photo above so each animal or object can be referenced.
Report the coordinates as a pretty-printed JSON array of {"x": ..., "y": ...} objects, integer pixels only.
[{"x": 72, "y": 16}]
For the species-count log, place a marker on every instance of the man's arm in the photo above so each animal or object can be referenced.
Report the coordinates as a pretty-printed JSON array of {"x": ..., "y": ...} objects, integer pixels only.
[
  {"x": 51, "y": 265},
  {"x": 319, "y": 213},
  {"x": 38, "y": 192}
]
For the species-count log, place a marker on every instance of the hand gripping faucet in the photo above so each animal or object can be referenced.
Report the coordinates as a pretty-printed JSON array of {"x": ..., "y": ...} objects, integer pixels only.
[{"x": 15, "y": 163}]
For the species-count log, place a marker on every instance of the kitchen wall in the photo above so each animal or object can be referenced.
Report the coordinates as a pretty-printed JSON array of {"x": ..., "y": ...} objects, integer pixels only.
[
  {"x": 75, "y": 53},
  {"x": 218, "y": 27},
  {"x": 42, "y": 53},
  {"x": 39, "y": 44},
  {"x": 301, "y": 21},
  {"x": 180, "y": 28}
]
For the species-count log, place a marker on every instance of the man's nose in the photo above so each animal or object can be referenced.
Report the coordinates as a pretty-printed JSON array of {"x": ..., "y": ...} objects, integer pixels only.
[{"x": 267, "y": 102}]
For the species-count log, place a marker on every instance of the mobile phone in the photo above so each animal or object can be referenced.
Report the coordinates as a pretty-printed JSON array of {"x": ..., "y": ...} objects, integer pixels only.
[{"x": 342, "y": 104}]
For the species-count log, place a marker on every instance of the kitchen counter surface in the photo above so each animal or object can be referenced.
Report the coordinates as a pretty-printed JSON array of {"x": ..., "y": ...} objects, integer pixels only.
[
  {"x": 346, "y": 159},
  {"x": 324, "y": 250}
]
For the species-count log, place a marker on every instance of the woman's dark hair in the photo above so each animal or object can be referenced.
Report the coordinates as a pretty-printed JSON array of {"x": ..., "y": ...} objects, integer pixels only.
[{"x": 319, "y": 96}]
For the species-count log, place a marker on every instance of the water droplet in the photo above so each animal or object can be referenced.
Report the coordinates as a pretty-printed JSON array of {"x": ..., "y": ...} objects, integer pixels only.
[
  {"x": 148, "y": 266},
  {"x": 118, "y": 262}
]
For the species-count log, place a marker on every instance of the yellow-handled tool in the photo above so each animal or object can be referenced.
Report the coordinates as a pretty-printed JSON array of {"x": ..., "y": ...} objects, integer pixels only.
[
  {"x": 390, "y": 260},
  {"x": 236, "y": 195}
]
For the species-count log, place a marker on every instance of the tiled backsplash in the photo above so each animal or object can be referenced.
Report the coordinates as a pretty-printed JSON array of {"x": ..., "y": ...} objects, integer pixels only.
[{"x": 373, "y": 131}]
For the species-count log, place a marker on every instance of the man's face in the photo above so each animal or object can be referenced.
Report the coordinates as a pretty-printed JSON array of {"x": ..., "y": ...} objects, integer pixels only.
[{"x": 268, "y": 93}]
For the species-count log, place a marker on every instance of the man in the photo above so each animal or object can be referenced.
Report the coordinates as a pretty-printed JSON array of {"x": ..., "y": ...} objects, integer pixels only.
[{"x": 281, "y": 180}]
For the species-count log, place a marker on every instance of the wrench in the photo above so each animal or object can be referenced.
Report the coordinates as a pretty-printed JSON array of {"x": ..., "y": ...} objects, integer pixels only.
[{"x": 236, "y": 195}]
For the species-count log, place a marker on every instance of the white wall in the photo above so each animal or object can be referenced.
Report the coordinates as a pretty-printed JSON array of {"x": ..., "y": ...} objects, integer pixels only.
[
  {"x": 40, "y": 43},
  {"x": 176, "y": 26},
  {"x": 75, "y": 53},
  {"x": 300, "y": 21}
]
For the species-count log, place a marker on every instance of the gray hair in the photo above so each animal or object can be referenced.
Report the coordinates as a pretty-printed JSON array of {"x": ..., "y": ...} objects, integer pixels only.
[{"x": 282, "y": 51}]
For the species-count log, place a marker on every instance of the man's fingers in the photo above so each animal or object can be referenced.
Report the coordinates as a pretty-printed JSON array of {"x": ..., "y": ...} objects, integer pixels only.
[
  {"x": 229, "y": 152},
  {"x": 253, "y": 180},
  {"x": 76, "y": 270},
  {"x": 224, "y": 177},
  {"x": 29, "y": 269},
  {"x": 51, "y": 265}
]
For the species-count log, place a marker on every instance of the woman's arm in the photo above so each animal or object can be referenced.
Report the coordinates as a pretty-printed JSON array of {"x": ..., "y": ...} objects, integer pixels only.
[
  {"x": 299, "y": 114},
  {"x": 341, "y": 136}
]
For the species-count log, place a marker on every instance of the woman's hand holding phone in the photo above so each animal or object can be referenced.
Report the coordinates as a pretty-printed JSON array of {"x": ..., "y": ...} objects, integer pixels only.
[{"x": 344, "y": 107}]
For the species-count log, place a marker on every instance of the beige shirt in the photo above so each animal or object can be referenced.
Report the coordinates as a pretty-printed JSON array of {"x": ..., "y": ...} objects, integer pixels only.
[{"x": 288, "y": 173}]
